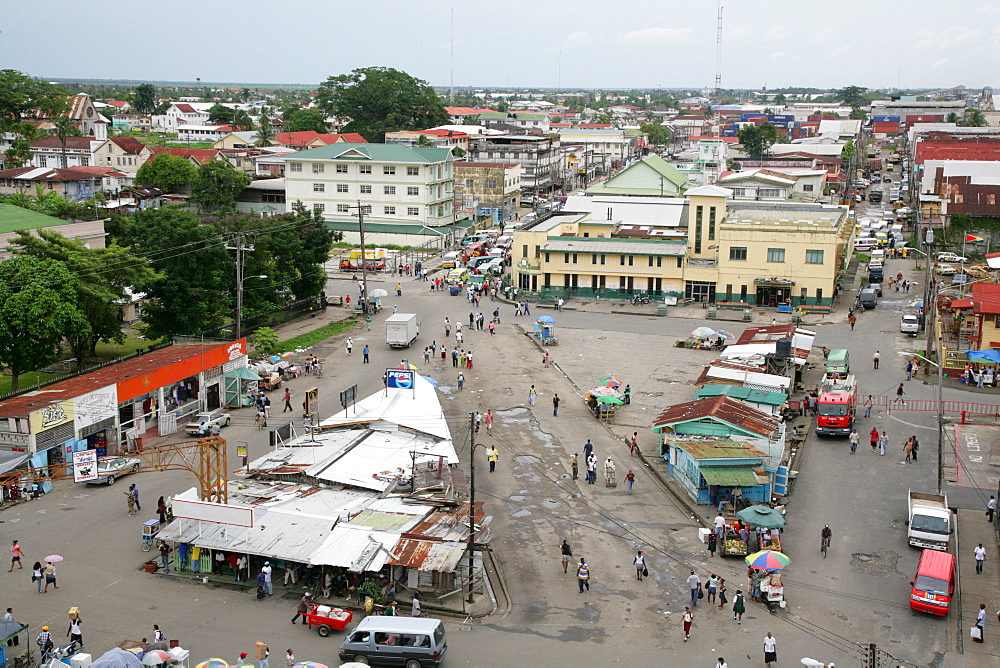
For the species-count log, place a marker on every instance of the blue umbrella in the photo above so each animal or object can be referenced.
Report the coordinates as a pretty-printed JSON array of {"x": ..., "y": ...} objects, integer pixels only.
[{"x": 547, "y": 319}]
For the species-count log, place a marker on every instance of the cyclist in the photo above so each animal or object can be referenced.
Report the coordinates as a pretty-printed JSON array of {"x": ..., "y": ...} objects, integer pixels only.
[{"x": 826, "y": 534}]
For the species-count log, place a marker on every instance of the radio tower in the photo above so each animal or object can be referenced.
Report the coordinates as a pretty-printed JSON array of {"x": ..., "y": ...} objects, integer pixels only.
[{"x": 718, "y": 52}]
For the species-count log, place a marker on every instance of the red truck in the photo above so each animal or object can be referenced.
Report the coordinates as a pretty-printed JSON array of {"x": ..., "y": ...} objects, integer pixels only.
[{"x": 838, "y": 401}]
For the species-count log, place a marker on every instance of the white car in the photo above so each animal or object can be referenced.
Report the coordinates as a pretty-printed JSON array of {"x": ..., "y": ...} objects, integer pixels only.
[
  {"x": 951, "y": 257},
  {"x": 110, "y": 469},
  {"x": 202, "y": 421},
  {"x": 945, "y": 270},
  {"x": 909, "y": 324}
]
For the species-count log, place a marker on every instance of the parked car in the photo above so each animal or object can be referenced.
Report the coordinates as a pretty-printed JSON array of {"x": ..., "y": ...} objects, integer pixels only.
[
  {"x": 909, "y": 324},
  {"x": 201, "y": 421},
  {"x": 960, "y": 279},
  {"x": 945, "y": 270},
  {"x": 951, "y": 257},
  {"x": 110, "y": 469}
]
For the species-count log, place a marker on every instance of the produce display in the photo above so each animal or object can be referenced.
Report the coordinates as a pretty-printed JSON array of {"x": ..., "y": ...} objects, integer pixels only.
[
  {"x": 771, "y": 544},
  {"x": 736, "y": 546}
]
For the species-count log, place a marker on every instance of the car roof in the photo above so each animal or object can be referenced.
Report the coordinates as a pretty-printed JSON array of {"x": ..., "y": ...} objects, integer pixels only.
[{"x": 398, "y": 624}]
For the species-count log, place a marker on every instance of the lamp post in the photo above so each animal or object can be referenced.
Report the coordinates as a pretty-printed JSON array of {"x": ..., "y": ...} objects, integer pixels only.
[
  {"x": 239, "y": 298},
  {"x": 940, "y": 411}
]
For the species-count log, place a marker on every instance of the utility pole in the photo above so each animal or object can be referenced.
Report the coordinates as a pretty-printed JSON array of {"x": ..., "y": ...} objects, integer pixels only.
[
  {"x": 364, "y": 258},
  {"x": 472, "y": 499},
  {"x": 239, "y": 247},
  {"x": 718, "y": 52}
]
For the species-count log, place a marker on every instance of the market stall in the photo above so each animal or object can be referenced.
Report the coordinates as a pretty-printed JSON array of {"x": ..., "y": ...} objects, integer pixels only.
[
  {"x": 766, "y": 584},
  {"x": 603, "y": 400},
  {"x": 733, "y": 544},
  {"x": 543, "y": 330}
]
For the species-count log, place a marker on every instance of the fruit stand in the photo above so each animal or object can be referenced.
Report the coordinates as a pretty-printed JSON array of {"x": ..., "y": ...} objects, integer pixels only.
[{"x": 732, "y": 544}]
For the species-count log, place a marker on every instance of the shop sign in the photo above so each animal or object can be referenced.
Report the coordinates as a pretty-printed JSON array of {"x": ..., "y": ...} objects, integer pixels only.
[
  {"x": 181, "y": 369},
  {"x": 95, "y": 406},
  {"x": 84, "y": 465},
  {"x": 399, "y": 380},
  {"x": 53, "y": 415}
]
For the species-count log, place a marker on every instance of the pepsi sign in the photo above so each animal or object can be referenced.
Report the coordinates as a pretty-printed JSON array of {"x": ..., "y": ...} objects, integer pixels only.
[{"x": 399, "y": 380}]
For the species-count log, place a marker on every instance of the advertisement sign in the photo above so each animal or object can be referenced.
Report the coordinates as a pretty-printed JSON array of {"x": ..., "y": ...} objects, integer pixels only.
[
  {"x": 95, "y": 406},
  {"x": 241, "y": 451},
  {"x": 50, "y": 416},
  {"x": 397, "y": 379},
  {"x": 188, "y": 361},
  {"x": 312, "y": 401},
  {"x": 84, "y": 465}
]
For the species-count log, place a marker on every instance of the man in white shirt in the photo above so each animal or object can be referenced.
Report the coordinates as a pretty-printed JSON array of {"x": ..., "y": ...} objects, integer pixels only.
[
  {"x": 981, "y": 622},
  {"x": 980, "y": 557},
  {"x": 770, "y": 649},
  {"x": 991, "y": 508},
  {"x": 266, "y": 570},
  {"x": 722, "y": 663},
  {"x": 720, "y": 526},
  {"x": 694, "y": 582}
]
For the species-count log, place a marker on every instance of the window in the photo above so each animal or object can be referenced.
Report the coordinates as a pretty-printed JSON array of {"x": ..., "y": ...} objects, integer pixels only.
[
  {"x": 602, "y": 259},
  {"x": 807, "y": 188},
  {"x": 680, "y": 262},
  {"x": 366, "y": 190},
  {"x": 490, "y": 183},
  {"x": 319, "y": 187},
  {"x": 711, "y": 224},
  {"x": 412, "y": 211},
  {"x": 524, "y": 252},
  {"x": 739, "y": 192},
  {"x": 413, "y": 171},
  {"x": 365, "y": 169},
  {"x": 574, "y": 258},
  {"x": 814, "y": 257},
  {"x": 342, "y": 187},
  {"x": 630, "y": 259},
  {"x": 565, "y": 258},
  {"x": 775, "y": 254},
  {"x": 650, "y": 260},
  {"x": 318, "y": 167},
  {"x": 548, "y": 258},
  {"x": 388, "y": 190},
  {"x": 819, "y": 295},
  {"x": 43, "y": 162},
  {"x": 593, "y": 259},
  {"x": 85, "y": 162},
  {"x": 470, "y": 184},
  {"x": 698, "y": 216},
  {"x": 389, "y": 210},
  {"x": 341, "y": 169},
  {"x": 388, "y": 169},
  {"x": 621, "y": 260},
  {"x": 659, "y": 262},
  {"x": 412, "y": 190},
  {"x": 737, "y": 253},
  {"x": 366, "y": 209},
  {"x": 343, "y": 208},
  {"x": 296, "y": 166},
  {"x": 319, "y": 207},
  {"x": 769, "y": 192}
]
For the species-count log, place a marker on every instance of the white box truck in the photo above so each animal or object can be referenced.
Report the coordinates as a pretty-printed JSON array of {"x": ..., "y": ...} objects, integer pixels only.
[
  {"x": 929, "y": 523},
  {"x": 401, "y": 329}
]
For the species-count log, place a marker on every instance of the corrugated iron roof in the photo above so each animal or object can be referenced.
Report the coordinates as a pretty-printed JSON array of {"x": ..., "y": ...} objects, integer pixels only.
[
  {"x": 718, "y": 409},
  {"x": 739, "y": 476},
  {"x": 718, "y": 449},
  {"x": 428, "y": 556},
  {"x": 743, "y": 394},
  {"x": 986, "y": 297}
]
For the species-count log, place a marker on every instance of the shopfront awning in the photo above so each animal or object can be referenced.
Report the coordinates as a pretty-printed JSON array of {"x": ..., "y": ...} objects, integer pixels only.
[
  {"x": 774, "y": 282},
  {"x": 10, "y": 460},
  {"x": 729, "y": 476},
  {"x": 243, "y": 373}
]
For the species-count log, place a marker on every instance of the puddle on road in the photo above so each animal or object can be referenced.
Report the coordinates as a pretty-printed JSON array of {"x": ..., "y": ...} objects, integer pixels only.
[{"x": 881, "y": 563}]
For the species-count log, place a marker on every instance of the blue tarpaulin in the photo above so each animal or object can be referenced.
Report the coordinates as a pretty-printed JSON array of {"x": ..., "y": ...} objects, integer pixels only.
[{"x": 985, "y": 355}]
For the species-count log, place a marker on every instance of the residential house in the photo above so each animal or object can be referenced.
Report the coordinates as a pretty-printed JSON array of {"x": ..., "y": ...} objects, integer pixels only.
[
  {"x": 235, "y": 140},
  {"x": 12, "y": 217},
  {"x": 539, "y": 157},
  {"x": 650, "y": 176},
  {"x": 271, "y": 163},
  {"x": 490, "y": 189},
  {"x": 762, "y": 400},
  {"x": 306, "y": 139},
  {"x": 441, "y": 138},
  {"x": 202, "y": 133},
  {"x": 986, "y": 309},
  {"x": 125, "y": 153},
  {"x": 690, "y": 126},
  {"x": 182, "y": 114},
  {"x": 525, "y": 121},
  {"x": 51, "y": 152},
  {"x": 611, "y": 147},
  {"x": 132, "y": 122},
  {"x": 775, "y": 184},
  {"x": 75, "y": 183},
  {"x": 466, "y": 115},
  {"x": 405, "y": 193},
  {"x": 197, "y": 156}
]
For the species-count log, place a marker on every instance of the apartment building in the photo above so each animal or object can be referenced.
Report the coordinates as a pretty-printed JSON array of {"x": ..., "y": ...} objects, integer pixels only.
[
  {"x": 540, "y": 158},
  {"x": 488, "y": 189}
]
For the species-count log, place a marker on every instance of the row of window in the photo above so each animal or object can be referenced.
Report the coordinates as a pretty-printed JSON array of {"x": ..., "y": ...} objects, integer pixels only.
[
  {"x": 488, "y": 183},
  {"x": 320, "y": 168},
  {"x": 366, "y": 189},
  {"x": 386, "y": 210},
  {"x": 623, "y": 260},
  {"x": 739, "y": 254}
]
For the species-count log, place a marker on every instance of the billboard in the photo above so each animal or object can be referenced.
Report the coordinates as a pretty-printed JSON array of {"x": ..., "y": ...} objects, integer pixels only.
[
  {"x": 84, "y": 465},
  {"x": 398, "y": 379}
]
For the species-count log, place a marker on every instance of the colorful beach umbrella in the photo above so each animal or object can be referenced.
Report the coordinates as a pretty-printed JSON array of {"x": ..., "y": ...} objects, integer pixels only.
[
  {"x": 702, "y": 332},
  {"x": 547, "y": 319},
  {"x": 609, "y": 381},
  {"x": 212, "y": 663},
  {"x": 767, "y": 560},
  {"x": 155, "y": 657},
  {"x": 724, "y": 334}
]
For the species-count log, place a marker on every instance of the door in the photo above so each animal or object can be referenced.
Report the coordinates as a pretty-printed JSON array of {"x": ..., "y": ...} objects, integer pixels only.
[{"x": 212, "y": 398}]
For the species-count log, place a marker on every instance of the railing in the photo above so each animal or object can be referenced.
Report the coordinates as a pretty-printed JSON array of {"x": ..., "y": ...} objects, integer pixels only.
[{"x": 967, "y": 408}]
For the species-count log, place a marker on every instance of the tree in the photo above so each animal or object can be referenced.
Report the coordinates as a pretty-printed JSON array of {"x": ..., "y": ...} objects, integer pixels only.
[
  {"x": 242, "y": 121},
  {"x": 37, "y": 309},
  {"x": 780, "y": 99},
  {"x": 245, "y": 95},
  {"x": 458, "y": 152},
  {"x": 22, "y": 96},
  {"x": 849, "y": 151},
  {"x": 858, "y": 114},
  {"x": 952, "y": 118},
  {"x": 301, "y": 120},
  {"x": 263, "y": 339},
  {"x": 852, "y": 96},
  {"x": 220, "y": 115},
  {"x": 63, "y": 128},
  {"x": 423, "y": 141},
  {"x": 658, "y": 134},
  {"x": 170, "y": 173},
  {"x": 976, "y": 119},
  {"x": 265, "y": 132},
  {"x": 380, "y": 100},
  {"x": 104, "y": 273},
  {"x": 216, "y": 186},
  {"x": 144, "y": 99},
  {"x": 757, "y": 139}
]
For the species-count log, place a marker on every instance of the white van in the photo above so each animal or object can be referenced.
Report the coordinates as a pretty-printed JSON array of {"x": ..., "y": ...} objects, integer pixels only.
[
  {"x": 878, "y": 254},
  {"x": 865, "y": 244},
  {"x": 396, "y": 641}
]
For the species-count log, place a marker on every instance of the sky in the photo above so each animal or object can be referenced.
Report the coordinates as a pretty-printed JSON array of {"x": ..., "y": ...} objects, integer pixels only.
[{"x": 517, "y": 43}]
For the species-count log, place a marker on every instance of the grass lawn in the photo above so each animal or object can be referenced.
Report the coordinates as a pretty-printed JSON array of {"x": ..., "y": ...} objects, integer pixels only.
[
  {"x": 112, "y": 351},
  {"x": 313, "y": 337},
  {"x": 26, "y": 380}
]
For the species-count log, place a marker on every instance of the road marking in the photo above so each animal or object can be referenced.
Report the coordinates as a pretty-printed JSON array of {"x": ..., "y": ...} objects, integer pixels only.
[{"x": 910, "y": 424}]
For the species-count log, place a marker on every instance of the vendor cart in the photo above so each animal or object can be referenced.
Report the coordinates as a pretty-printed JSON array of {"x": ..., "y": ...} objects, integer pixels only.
[
  {"x": 149, "y": 530},
  {"x": 772, "y": 591},
  {"x": 770, "y": 541},
  {"x": 325, "y": 618},
  {"x": 732, "y": 544}
]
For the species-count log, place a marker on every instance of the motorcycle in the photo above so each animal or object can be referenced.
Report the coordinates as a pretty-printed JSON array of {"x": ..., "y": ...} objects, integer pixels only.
[{"x": 641, "y": 299}]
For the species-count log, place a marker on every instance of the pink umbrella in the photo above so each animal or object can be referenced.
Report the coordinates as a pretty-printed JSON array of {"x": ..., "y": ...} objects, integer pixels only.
[{"x": 53, "y": 558}]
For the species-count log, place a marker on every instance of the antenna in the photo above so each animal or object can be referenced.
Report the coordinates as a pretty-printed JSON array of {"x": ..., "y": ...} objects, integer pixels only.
[
  {"x": 451, "y": 76},
  {"x": 718, "y": 52}
]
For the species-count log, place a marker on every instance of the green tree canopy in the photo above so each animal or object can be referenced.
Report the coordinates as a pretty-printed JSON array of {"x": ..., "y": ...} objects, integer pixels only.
[
  {"x": 241, "y": 121},
  {"x": 38, "y": 307},
  {"x": 144, "y": 99},
  {"x": 216, "y": 186},
  {"x": 300, "y": 120},
  {"x": 170, "y": 173},
  {"x": 220, "y": 115},
  {"x": 21, "y": 95},
  {"x": 265, "y": 132},
  {"x": 658, "y": 134},
  {"x": 380, "y": 100},
  {"x": 104, "y": 275},
  {"x": 757, "y": 139},
  {"x": 852, "y": 96}
]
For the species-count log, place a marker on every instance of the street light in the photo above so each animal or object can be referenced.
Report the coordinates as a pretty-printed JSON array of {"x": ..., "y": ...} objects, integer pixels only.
[
  {"x": 239, "y": 300},
  {"x": 940, "y": 410}
]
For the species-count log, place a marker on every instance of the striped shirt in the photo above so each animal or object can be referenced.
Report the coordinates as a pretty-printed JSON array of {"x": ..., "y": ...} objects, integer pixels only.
[{"x": 583, "y": 571}]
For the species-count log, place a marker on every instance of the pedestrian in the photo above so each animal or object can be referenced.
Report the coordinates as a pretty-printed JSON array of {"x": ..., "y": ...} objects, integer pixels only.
[
  {"x": 883, "y": 443},
  {"x": 720, "y": 526},
  {"x": 640, "y": 565},
  {"x": 630, "y": 480},
  {"x": 350, "y": 344},
  {"x": 488, "y": 421},
  {"x": 770, "y": 649},
  {"x": 472, "y": 319},
  {"x": 130, "y": 499},
  {"x": 738, "y": 607},
  {"x": 981, "y": 622},
  {"x": 13, "y": 641},
  {"x": 723, "y": 594},
  {"x": 565, "y": 553},
  {"x": 447, "y": 327},
  {"x": 44, "y": 640},
  {"x": 266, "y": 570},
  {"x": 531, "y": 395},
  {"x": 546, "y": 360},
  {"x": 694, "y": 582},
  {"x": 303, "y": 609},
  {"x": 492, "y": 328},
  {"x": 559, "y": 304},
  {"x": 468, "y": 359},
  {"x": 242, "y": 659},
  {"x": 161, "y": 508},
  {"x": 364, "y": 352},
  {"x": 583, "y": 575},
  {"x": 575, "y": 465},
  {"x": 980, "y": 557},
  {"x": 908, "y": 449},
  {"x": 855, "y": 439},
  {"x": 15, "y": 556},
  {"x": 461, "y": 380},
  {"x": 135, "y": 494},
  {"x": 459, "y": 336},
  {"x": 627, "y": 394},
  {"x": 591, "y": 469},
  {"x": 852, "y": 319},
  {"x": 875, "y": 358},
  {"x": 288, "y": 401},
  {"x": 399, "y": 289},
  {"x": 527, "y": 311},
  {"x": 713, "y": 543},
  {"x": 261, "y": 652},
  {"x": 721, "y": 663},
  {"x": 712, "y": 587},
  {"x": 899, "y": 395},
  {"x": 50, "y": 576},
  {"x": 916, "y": 446},
  {"x": 873, "y": 437},
  {"x": 588, "y": 447},
  {"x": 633, "y": 447},
  {"x": 164, "y": 550},
  {"x": 289, "y": 658},
  {"x": 493, "y": 455},
  {"x": 36, "y": 575},
  {"x": 74, "y": 632},
  {"x": 991, "y": 508},
  {"x": 454, "y": 357},
  {"x": 909, "y": 370},
  {"x": 687, "y": 619},
  {"x": 869, "y": 402},
  {"x": 555, "y": 404}
]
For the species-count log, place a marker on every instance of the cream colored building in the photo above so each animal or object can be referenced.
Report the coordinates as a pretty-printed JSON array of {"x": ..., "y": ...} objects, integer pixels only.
[{"x": 487, "y": 189}]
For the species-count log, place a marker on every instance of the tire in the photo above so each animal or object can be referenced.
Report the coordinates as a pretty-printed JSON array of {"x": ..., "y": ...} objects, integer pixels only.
[
  {"x": 146, "y": 544},
  {"x": 110, "y": 479},
  {"x": 323, "y": 631},
  {"x": 228, "y": 420},
  {"x": 412, "y": 663},
  {"x": 135, "y": 468},
  {"x": 360, "y": 658}
]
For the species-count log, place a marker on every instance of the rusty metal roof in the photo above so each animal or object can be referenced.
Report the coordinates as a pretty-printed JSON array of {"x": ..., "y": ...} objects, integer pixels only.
[
  {"x": 719, "y": 409},
  {"x": 722, "y": 449},
  {"x": 428, "y": 556}
]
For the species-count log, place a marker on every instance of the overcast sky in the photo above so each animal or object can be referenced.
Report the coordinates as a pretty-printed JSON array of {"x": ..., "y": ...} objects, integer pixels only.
[{"x": 529, "y": 43}]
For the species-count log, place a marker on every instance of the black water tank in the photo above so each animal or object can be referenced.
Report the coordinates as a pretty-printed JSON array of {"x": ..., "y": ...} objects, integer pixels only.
[{"x": 783, "y": 351}]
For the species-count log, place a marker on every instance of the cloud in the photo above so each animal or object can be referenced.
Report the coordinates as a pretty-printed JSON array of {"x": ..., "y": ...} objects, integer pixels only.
[
  {"x": 940, "y": 63},
  {"x": 775, "y": 33},
  {"x": 948, "y": 37},
  {"x": 656, "y": 35},
  {"x": 579, "y": 38},
  {"x": 780, "y": 55}
]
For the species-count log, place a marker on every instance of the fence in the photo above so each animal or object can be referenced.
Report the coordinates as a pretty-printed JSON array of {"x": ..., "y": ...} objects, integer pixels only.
[{"x": 964, "y": 408}]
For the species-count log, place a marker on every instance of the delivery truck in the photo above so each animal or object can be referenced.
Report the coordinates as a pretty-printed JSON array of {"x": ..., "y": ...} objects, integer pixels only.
[
  {"x": 929, "y": 523},
  {"x": 401, "y": 330}
]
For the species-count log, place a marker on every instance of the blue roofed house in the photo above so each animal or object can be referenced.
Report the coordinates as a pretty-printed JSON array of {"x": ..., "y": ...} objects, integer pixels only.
[{"x": 709, "y": 470}]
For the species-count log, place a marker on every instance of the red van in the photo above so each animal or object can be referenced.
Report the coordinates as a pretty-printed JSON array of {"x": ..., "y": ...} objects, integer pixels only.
[{"x": 934, "y": 584}]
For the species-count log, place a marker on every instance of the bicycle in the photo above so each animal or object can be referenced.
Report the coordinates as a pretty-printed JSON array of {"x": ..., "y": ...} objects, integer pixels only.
[{"x": 824, "y": 544}]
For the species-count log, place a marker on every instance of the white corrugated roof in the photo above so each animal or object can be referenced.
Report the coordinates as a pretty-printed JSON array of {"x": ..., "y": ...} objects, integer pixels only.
[
  {"x": 762, "y": 380},
  {"x": 418, "y": 409},
  {"x": 655, "y": 211},
  {"x": 346, "y": 543}
]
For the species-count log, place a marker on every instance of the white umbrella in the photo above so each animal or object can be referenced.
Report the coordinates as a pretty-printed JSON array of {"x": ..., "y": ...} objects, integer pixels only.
[
  {"x": 379, "y": 292},
  {"x": 703, "y": 332}
]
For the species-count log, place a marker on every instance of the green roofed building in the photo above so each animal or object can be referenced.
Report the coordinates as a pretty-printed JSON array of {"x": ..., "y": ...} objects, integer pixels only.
[
  {"x": 650, "y": 176},
  {"x": 13, "y": 218}
]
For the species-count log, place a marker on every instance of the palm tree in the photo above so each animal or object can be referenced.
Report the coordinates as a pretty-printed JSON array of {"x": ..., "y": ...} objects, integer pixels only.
[
  {"x": 952, "y": 118},
  {"x": 424, "y": 142},
  {"x": 976, "y": 119},
  {"x": 245, "y": 95},
  {"x": 265, "y": 133},
  {"x": 63, "y": 127}
]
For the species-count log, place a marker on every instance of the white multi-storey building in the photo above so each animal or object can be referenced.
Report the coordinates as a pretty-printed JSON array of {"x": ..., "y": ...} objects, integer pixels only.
[{"x": 403, "y": 191}]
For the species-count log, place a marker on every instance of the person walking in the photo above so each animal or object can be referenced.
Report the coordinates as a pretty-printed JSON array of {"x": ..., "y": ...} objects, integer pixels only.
[
  {"x": 531, "y": 395},
  {"x": 686, "y": 621},
  {"x": 288, "y": 401},
  {"x": 161, "y": 507},
  {"x": 158, "y": 635},
  {"x": 588, "y": 447},
  {"x": 852, "y": 319},
  {"x": 454, "y": 357},
  {"x": 980, "y": 557},
  {"x": 365, "y": 351},
  {"x": 640, "y": 565},
  {"x": 723, "y": 594},
  {"x": 415, "y": 605},
  {"x": 630, "y": 480},
  {"x": 873, "y": 437},
  {"x": 583, "y": 575},
  {"x": 488, "y": 421},
  {"x": 909, "y": 369},
  {"x": 493, "y": 328},
  {"x": 770, "y": 649},
  {"x": 739, "y": 607},
  {"x": 37, "y": 575},
  {"x": 981, "y": 623},
  {"x": 875, "y": 359},
  {"x": 633, "y": 446},
  {"x": 493, "y": 455},
  {"x": 899, "y": 395},
  {"x": 289, "y": 658},
  {"x": 908, "y": 449},
  {"x": 135, "y": 494},
  {"x": 44, "y": 640},
  {"x": 399, "y": 289},
  {"x": 721, "y": 663},
  {"x": 713, "y": 544},
  {"x": 883, "y": 443},
  {"x": 575, "y": 466},
  {"x": 266, "y": 570},
  {"x": 15, "y": 556},
  {"x": 720, "y": 526},
  {"x": 591, "y": 469},
  {"x": 350, "y": 345},
  {"x": 130, "y": 498},
  {"x": 74, "y": 632},
  {"x": 627, "y": 394},
  {"x": 50, "y": 576},
  {"x": 712, "y": 587},
  {"x": 855, "y": 439},
  {"x": 694, "y": 582},
  {"x": 555, "y": 404},
  {"x": 164, "y": 550},
  {"x": 565, "y": 553},
  {"x": 261, "y": 653},
  {"x": 461, "y": 380},
  {"x": 468, "y": 359},
  {"x": 303, "y": 609},
  {"x": 869, "y": 403},
  {"x": 447, "y": 328},
  {"x": 991, "y": 508}
]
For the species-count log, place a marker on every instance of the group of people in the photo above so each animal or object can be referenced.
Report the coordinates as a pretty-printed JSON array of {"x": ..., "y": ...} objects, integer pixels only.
[{"x": 985, "y": 377}]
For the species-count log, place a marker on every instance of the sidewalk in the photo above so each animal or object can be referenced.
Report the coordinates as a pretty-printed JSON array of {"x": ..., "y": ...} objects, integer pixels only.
[{"x": 976, "y": 588}]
